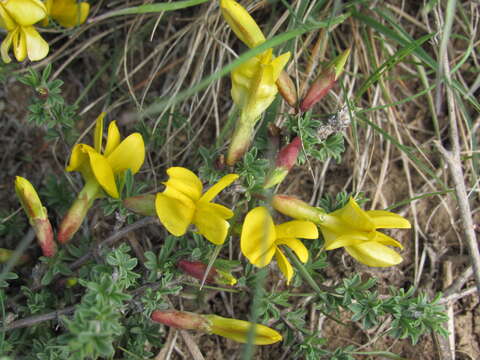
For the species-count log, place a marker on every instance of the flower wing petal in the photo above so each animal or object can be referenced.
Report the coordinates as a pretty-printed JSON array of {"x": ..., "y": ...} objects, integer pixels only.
[
  {"x": 129, "y": 154},
  {"x": 103, "y": 173},
  {"x": 6, "y": 45},
  {"x": 113, "y": 138},
  {"x": 388, "y": 220},
  {"x": 297, "y": 246},
  {"x": 37, "y": 47},
  {"x": 298, "y": 229},
  {"x": 284, "y": 265},
  {"x": 387, "y": 240},
  {"x": 185, "y": 181},
  {"x": 219, "y": 186},
  {"x": 211, "y": 224},
  {"x": 174, "y": 214},
  {"x": 374, "y": 254},
  {"x": 258, "y": 237}
]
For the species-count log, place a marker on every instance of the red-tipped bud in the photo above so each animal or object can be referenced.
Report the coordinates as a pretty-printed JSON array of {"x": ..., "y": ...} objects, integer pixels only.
[
  {"x": 198, "y": 269},
  {"x": 141, "y": 204},
  {"x": 297, "y": 209},
  {"x": 37, "y": 215},
  {"x": 286, "y": 88},
  {"x": 324, "y": 82},
  {"x": 181, "y": 320},
  {"x": 286, "y": 159}
]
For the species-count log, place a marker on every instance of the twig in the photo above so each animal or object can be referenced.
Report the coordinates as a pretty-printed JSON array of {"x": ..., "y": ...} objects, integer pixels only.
[
  {"x": 454, "y": 297},
  {"x": 457, "y": 285},
  {"x": 32, "y": 320}
]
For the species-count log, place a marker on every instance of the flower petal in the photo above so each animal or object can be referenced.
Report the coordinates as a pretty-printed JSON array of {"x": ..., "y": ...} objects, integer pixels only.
[
  {"x": 210, "y": 224},
  {"x": 113, "y": 138},
  {"x": 354, "y": 216},
  {"x": 296, "y": 245},
  {"x": 79, "y": 157},
  {"x": 184, "y": 181},
  {"x": 103, "y": 173},
  {"x": 19, "y": 44},
  {"x": 6, "y": 20},
  {"x": 37, "y": 47},
  {"x": 219, "y": 186},
  {"x": 220, "y": 210},
  {"x": 374, "y": 254},
  {"x": 388, "y": 220},
  {"x": 284, "y": 265},
  {"x": 6, "y": 45},
  {"x": 387, "y": 240},
  {"x": 25, "y": 12},
  {"x": 347, "y": 237},
  {"x": 98, "y": 134},
  {"x": 129, "y": 154},
  {"x": 174, "y": 214},
  {"x": 297, "y": 228},
  {"x": 68, "y": 13},
  {"x": 242, "y": 23},
  {"x": 258, "y": 237},
  {"x": 279, "y": 63}
]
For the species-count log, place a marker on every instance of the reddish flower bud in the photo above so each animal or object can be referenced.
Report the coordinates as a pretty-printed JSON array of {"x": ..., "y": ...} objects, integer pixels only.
[
  {"x": 286, "y": 159},
  {"x": 197, "y": 269},
  {"x": 286, "y": 88},
  {"x": 141, "y": 204},
  {"x": 181, "y": 320}
]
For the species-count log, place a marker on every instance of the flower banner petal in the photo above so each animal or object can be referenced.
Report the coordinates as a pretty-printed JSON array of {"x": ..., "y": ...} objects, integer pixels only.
[
  {"x": 129, "y": 154},
  {"x": 113, "y": 138},
  {"x": 258, "y": 237},
  {"x": 374, "y": 254},
  {"x": 175, "y": 215},
  {"x": 225, "y": 181},
  {"x": 185, "y": 181},
  {"x": 25, "y": 12},
  {"x": 78, "y": 157},
  {"x": 98, "y": 133},
  {"x": 354, "y": 216}
]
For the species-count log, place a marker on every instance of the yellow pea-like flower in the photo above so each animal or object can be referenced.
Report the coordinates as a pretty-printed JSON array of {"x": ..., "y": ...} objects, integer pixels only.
[
  {"x": 99, "y": 167},
  {"x": 18, "y": 18},
  {"x": 261, "y": 239},
  {"x": 352, "y": 228},
  {"x": 67, "y": 13},
  {"x": 182, "y": 203}
]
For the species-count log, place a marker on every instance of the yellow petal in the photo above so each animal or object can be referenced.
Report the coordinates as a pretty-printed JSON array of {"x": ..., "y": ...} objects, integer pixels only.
[
  {"x": 220, "y": 210},
  {"x": 284, "y": 265},
  {"x": 238, "y": 330},
  {"x": 297, "y": 228},
  {"x": 79, "y": 157},
  {"x": 210, "y": 224},
  {"x": 6, "y": 45},
  {"x": 19, "y": 44},
  {"x": 374, "y": 254},
  {"x": 68, "y": 13},
  {"x": 113, "y": 138},
  {"x": 348, "y": 237},
  {"x": 388, "y": 220},
  {"x": 129, "y": 154},
  {"x": 37, "y": 47},
  {"x": 279, "y": 63},
  {"x": 25, "y": 12},
  {"x": 219, "y": 186},
  {"x": 387, "y": 240},
  {"x": 174, "y": 214},
  {"x": 258, "y": 237},
  {"x": 242, "y": 23},
  {"x": 296, "y": 245},
  {"x": 353, "y": 216},
  {"x": 98, "y": 134},
  {"x": 103, "y": 173},
  {"x": 6, "y": 20},
  {"x": 185, "y": 181}
]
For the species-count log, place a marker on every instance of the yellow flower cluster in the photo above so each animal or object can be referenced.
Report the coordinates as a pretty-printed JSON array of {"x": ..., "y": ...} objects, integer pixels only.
[{"x": 18, "y": 18}]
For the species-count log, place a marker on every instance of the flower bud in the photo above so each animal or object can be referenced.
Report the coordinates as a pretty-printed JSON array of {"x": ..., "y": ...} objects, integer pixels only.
[
  {"x": 6, "y": 254},
  {"x": 234, "y": 329},
  {"x": 287, "y": 89},
  {"x": 297, "y": 209},
  {"x": 141, "y": 204},
  {"x": 286, "y": 159},
  {"x": 325, "y": 81},
  {"x": 197, "y": 270},
  {"x": 37, "y": 215}
]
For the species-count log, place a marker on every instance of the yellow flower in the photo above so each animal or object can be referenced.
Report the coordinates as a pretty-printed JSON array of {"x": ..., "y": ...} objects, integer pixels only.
[
  {"x": 234, "y": 329},
  {"x": 18, "y": 18},
  {"x": 99, "y": 170},
  {"x": 67, "y": 13},
  {"x": 261, "y": 238},
  {"x": 352, "y": 228},
  {"x": 253, "y": 82},
  {"x": 101, "y": 167},
  {"x": 182, "y": 204}
]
